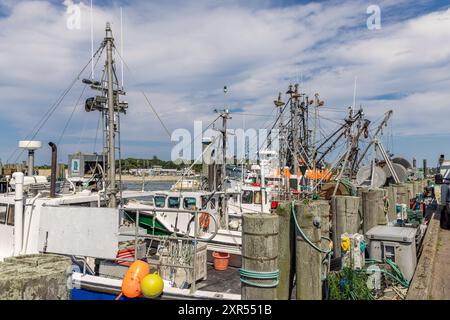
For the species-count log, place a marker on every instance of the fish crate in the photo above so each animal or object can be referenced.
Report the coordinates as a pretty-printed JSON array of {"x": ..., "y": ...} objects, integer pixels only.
[{"x": 175, "y": 258}]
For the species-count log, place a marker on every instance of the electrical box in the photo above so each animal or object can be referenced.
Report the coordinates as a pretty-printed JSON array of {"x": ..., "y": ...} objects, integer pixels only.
[
  {"x": 84, "y": 165},
  {"x": 395, "y": 243}
]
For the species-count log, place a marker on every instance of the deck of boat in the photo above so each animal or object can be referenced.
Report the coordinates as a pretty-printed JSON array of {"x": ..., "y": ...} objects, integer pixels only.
[{"x": 227, "y": 281}]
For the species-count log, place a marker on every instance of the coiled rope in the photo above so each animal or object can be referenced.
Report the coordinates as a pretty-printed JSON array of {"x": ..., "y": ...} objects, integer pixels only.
[{"x": 260, "y": 275}]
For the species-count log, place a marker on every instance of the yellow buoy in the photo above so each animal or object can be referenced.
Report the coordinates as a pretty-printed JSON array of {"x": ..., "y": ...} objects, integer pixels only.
[
  {"x": 152, "y": 285},
  {"x": 345, "y": 244}
]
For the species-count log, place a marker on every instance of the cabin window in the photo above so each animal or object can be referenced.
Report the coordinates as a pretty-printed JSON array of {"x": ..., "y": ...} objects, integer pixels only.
[
  {"x": 160, "y": 201},
  {"x": 148, "y": 200},
  {"x": 11, "y": 215},
  {"x": 258, "y": 197},
  {"x": 247, "y": 197},
  {"x": 293, "y": 184},
  {"x": 173, "y": 203},
  {"x": 3, "y": 210},
  {"x": 189, "y": 203}
]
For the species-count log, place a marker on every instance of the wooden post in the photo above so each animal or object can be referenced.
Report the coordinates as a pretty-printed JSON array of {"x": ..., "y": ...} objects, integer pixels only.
[
  {"x": 392, "y": 197},
  {"x": 373, "y": 208},
  {"x": 424, "y": 183},
  {"x": 308, "y": 260},
  {"x": 345, "y": 219},
  {"x": 402, "y": 194},
  {"x": 286, "y": 251},
  {"x": 411, "y": 194},
  {"x": 359, "y": 193},
  {"x": 259, "y": 254},
  {"x": 325, "y": 224}
]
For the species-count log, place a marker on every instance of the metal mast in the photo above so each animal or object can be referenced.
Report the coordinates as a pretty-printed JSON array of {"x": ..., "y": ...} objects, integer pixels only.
[
  {"x": 279, "y": 104},
  {"x": 110, "y": 106},
  {"x": 383, "y": 123},
  {"x": 112, "y": 189},
  {"x": 225, "y": 115}
]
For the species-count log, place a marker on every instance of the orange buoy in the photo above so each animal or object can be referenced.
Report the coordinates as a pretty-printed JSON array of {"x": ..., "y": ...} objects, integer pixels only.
[
  {"x": 131, "y": 284},
  {"x": 204, "y": 220}
]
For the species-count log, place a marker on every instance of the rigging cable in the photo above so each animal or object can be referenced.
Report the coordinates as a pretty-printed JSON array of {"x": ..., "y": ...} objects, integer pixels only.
[
  {"x": 145, "y": 96},
  {"x": 76, "y": 104},
  {"x": 52, "y": 108}
]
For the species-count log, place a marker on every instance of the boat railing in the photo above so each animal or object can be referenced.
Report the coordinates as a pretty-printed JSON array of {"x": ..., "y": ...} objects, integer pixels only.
[{"x": 195, "y": 239}]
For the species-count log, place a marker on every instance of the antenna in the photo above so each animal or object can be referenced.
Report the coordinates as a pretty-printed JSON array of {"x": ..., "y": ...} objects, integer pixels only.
[
  {"x": 121, "y": 41},
  {"x": 92, "y": 43},
  {"x": 354, "y": 102},
  {"x": 354, "y": 95}
]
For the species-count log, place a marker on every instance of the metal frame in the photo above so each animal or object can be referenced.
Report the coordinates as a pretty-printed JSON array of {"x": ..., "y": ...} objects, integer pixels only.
[{"x": 194, "y": 239}]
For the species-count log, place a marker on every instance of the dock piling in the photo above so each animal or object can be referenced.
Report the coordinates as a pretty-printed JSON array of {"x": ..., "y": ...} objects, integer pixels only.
[
  {"x": 286, "y": 251},
  {"x": 308, "y": 260},
  {"x": 345, "y": 218},
  {"x": 259, "y": 273},
  {"x": 373, "y": 208}
]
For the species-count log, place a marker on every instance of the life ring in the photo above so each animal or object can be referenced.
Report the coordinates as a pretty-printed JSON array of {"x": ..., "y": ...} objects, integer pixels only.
[{"x": 204, "y": 220}]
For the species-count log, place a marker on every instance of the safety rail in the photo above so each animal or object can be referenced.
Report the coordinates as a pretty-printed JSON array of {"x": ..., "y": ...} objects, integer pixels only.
[{"x": 195, "y": 239}]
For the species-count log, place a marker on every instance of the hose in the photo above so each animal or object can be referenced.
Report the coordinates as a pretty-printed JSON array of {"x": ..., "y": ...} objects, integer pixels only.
[
  {"x": 305, "y": 237},
  {"x": 260, "y": 275},
  {"x": 400, "y": 278}
]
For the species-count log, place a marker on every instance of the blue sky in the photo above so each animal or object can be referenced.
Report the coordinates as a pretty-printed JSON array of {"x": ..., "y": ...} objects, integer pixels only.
[{"x": 183, "y": 52}]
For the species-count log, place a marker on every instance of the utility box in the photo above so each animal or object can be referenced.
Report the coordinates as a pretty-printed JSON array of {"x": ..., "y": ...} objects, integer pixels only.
[
  {"x": 397, "y": 244},
  {"x": 82, "y": 164}
]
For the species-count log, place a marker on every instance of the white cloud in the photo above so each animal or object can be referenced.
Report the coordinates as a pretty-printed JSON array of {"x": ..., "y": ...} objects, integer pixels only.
[{"x": 183, "y": 53}]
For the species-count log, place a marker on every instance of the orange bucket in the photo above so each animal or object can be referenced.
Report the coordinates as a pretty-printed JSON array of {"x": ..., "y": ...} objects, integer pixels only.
[{"x": 221, "y": 260}]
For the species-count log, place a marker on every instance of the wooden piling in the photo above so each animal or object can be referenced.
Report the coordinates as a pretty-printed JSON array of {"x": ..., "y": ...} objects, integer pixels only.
[
  {"x": 286, "y": 251},
  {"x": 359, "y": 193},
  {"x": 35, "y": 277},
  {"x": 345, "y": 219},
  {"x": 392, "y": 198},
  {"x": 259, "y": 254},
  {"x": 402, "y": 196},
  {"x": 308, "y": 260},
  {"x": 373, "y": 208},
  {"x": 411, "y": 194},
  {"x": 325, "y": 223}
]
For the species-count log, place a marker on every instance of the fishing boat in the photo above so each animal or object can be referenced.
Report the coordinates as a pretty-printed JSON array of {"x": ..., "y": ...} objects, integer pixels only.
[{"x": 90, "y": 218}]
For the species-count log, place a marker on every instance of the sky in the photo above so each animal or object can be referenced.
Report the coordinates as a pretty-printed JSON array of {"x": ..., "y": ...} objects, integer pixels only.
[{"x": 182, "y": 53}]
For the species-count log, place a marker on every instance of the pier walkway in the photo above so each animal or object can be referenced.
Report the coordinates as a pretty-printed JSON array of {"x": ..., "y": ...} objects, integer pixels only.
[{"x": 440, "y": 289}]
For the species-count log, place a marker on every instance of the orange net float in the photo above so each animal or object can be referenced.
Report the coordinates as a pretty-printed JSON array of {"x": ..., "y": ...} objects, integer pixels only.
[
  {"x": 131, "y": 284},
  {"x": 204, "y": 220},
  {"x": 316, "y": 175},
  {"x": 286, "y": 172}
]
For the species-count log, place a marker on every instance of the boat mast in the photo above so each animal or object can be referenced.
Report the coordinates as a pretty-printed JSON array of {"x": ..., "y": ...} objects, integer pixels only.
[
  {"x": 112, "y": 189},
  {"x": 110, "y": 106},
  {"x": 225, "y": 115}
]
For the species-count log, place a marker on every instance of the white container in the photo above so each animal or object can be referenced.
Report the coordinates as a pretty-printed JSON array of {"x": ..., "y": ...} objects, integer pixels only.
[{"x": 395, "y": 243}]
